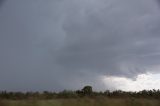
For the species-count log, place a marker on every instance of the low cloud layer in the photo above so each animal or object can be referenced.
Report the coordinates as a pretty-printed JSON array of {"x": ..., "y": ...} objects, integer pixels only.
[{"x": 59, "y": 44}]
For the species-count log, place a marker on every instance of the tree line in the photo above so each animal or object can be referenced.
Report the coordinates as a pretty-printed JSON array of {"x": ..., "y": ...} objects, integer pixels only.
[{"x": 85, "y": 92}]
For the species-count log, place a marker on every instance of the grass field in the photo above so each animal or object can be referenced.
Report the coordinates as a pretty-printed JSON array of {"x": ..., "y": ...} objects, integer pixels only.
[{"x": 82, "y": 102}]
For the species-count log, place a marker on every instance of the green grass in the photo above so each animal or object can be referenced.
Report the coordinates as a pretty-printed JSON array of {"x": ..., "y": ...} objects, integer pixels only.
[{"x": 101, "y": 101}]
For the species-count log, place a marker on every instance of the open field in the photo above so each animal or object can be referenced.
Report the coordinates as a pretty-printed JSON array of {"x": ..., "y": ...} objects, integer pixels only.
[{"x": 83, "y": 102}]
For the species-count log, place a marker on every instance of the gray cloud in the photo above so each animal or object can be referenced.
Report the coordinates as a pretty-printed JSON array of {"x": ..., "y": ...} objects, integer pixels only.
[
  {"x": 1, "y": 2},
  {"x": 58, "y": 44}
]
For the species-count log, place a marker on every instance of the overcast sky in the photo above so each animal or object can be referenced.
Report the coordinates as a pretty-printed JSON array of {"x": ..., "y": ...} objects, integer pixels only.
[{"x": 67, "y": 44}]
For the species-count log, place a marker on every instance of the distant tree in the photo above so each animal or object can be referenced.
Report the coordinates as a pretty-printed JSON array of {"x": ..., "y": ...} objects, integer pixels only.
[
  {"x": 87, "y": 90},
  {"x": 79, "y": 93},
  {"x": 107, "y": 93},
  {"x": 67, "y": 94}
]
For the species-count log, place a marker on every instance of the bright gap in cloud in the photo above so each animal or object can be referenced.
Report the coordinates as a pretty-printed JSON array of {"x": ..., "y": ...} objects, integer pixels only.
[{"x": 144, "y": 81}]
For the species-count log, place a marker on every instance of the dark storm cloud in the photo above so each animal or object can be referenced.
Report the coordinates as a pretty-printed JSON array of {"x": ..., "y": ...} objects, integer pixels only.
[
  {"x": 112, "y": 39},
  {"x": 1, "y": 2},
  {"x": 58, "y": 44},
  {"x": 158, "y": 1}
]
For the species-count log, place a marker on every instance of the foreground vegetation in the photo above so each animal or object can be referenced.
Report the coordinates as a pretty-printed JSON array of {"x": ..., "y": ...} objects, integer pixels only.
[
  {"x": 83, "y": 102},
  {"x": 83, "y": 97}
]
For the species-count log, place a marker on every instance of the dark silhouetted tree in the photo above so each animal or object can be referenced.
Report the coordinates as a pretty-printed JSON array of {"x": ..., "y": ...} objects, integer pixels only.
[{"x": 87, "y": 90}]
